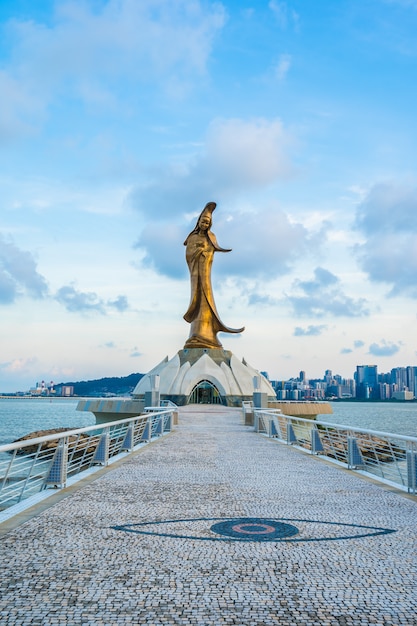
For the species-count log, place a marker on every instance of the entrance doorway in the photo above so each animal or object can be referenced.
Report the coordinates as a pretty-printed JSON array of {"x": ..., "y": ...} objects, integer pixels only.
[{"x": 205, "y": 393}]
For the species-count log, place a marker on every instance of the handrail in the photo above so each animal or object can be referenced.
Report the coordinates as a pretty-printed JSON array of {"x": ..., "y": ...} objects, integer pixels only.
[
  {"x": 31, "y": 466},
  {"x": 387, "y": 457},
  {"x": 169, "y": 404},
  {"x": 300, "y": 401},
  {"x": 44, "y": 438}
]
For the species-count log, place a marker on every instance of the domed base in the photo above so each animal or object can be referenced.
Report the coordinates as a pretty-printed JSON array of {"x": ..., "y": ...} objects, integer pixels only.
[{"x": 205, "y": 375}]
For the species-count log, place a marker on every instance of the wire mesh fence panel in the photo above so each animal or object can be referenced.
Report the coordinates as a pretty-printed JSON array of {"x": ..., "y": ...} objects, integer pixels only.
[
  {"x": 389, "y": 457},
  {"x": 28, "y": 467}
]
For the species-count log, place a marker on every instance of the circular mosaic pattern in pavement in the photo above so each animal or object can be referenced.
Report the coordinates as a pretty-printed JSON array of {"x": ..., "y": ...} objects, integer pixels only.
[{"x": 254, "y": 529}]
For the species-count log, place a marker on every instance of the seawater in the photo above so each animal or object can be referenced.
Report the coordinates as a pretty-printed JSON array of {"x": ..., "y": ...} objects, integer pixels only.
[
  {"x": 18, "y": 417},
  {"x": 399, "y": 418}
]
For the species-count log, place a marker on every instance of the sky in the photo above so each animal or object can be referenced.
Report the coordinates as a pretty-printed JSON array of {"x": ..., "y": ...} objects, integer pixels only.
[{"x": 121, "y": 119}]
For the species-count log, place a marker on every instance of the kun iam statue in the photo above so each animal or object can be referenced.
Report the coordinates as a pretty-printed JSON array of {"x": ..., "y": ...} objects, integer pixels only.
[{"x": 201, "y": 244}]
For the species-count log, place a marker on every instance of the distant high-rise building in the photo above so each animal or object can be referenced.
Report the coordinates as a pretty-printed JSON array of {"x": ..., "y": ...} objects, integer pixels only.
[
  {"x": 384, "y": 391},
  {"x": 399, "y": 378},
  {"x": 412, "y": 379},
  {"x": 366, "y": 377}
]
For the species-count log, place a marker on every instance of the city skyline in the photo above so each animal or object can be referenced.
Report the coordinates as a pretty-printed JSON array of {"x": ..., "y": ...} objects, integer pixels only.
[
  {"x": 121, "y": 120},
  {"x": 399, "y": 372}
]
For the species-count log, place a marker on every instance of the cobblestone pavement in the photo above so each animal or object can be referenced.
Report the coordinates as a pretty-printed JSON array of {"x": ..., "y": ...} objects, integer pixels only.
[{"x": 136, "y": 546}]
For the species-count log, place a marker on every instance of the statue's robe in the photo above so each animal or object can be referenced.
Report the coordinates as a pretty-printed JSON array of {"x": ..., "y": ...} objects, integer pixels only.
[{"x": 202, "y": 313}]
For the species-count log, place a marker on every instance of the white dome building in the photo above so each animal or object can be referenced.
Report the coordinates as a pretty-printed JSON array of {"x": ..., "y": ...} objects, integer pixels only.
[{"x": 204, "y": 376}]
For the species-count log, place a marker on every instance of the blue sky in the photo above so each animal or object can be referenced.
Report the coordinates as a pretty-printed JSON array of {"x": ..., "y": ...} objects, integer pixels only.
[{"x": 120, "y": 119}]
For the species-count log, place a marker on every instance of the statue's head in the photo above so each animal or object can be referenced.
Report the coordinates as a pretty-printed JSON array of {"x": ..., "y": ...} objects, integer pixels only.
[
  {"x": 204, "y": 222},
  {"x": 206, "y": 216}
]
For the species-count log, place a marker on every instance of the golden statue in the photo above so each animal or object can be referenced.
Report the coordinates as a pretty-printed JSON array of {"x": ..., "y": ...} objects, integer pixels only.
[{"x": 202, "y": 313}]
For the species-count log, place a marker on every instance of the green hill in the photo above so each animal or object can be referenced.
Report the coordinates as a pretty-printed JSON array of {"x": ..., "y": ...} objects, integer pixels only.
[{"x": 102, "y": 387}]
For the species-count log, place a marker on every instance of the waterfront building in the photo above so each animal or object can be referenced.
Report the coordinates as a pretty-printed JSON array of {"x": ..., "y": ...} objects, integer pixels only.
[
  {"x": 412, "y": 379},
  {"x": 399, "y": 378},
  {"x": 404, "y": 379},
  {"x": 403, "y": 395},
  {"x": 366, "y": 377},
  {"x": 385, "y": 391}
]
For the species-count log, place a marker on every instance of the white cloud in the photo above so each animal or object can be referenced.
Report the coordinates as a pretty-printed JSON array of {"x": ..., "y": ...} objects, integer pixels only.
[
  {"x": 86, "y": 48},
  {"x": 264, "y": 243},
  {"x": 121, "y": 304},
  {"x": 323, "y": 295},
  {"x": 79, "y": 301},
  {"x": 358, "y": 343},
  {"x": 18, "y": 106},
  {"x": 238, "y": 155},
  {"x": 311, "y": 331},
  {"x": 255, "y": 298},
  {"x": 389, "y": 254},
  {"x": 76, "y": 301},
  {"x": 384, "y": 348},
  {"x": 280, "y": 11},
  {"x": 388, "y": 208},
  {"x": 283, "y": 66},
  {"x": 18, "y": 273},
  {"x": 284, "y": 14},
  {"x": 245, "y": 153},
  {"x": 122, "y": 37},
  {"x": 19, "y": 365},
  {"x": 161, "y": 242}
]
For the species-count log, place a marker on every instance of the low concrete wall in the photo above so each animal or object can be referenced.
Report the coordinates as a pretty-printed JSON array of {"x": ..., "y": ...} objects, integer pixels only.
[
  {"x": 113, "y": 409},
  {"x": 302, "y": 409}
]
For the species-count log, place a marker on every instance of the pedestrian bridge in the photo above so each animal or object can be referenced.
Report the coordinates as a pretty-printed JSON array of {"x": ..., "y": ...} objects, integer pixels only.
[{"x": 214, "y": 524}]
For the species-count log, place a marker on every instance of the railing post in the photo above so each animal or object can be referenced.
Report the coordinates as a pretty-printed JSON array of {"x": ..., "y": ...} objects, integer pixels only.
[
  {"x": 146, "y": 435},
  {"x": 273, "y": 431},
  {"x": 262, "y": 424},
  {"x": 128, "y": 442},
  {"x": 160, "y": 425},
  {"x": 101, "y": 455},
  {"x": 168, "y": 422},
  {"x": 291, "y": 438},
  {"x": 354, "y": 454},
  {"x": 316, "y": 444},
  {"x": 248, "y": 413},
  {"x": 411, "y": 471},
  {"x": 57, "y": 474}
]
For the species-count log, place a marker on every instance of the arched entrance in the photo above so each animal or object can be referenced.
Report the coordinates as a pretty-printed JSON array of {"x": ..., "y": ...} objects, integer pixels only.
[{"x": 205, "y": 393}]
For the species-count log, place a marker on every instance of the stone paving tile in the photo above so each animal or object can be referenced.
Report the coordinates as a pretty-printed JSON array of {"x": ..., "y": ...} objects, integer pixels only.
[{"x": 136, "y": 545}]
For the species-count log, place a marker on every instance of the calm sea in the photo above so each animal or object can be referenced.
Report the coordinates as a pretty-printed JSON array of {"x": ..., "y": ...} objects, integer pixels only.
[
  {"x": 397, "y": 417},
  {"x": 19, "y": 417}
]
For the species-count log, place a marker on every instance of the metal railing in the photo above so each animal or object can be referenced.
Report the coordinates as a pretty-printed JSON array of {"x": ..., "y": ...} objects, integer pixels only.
[
  {"x": 28, "y": 467},
  {"x": 387, "y": 457}
]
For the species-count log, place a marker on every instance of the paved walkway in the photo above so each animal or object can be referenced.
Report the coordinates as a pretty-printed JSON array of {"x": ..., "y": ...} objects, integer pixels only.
[{"x": 216, "y": 525}]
